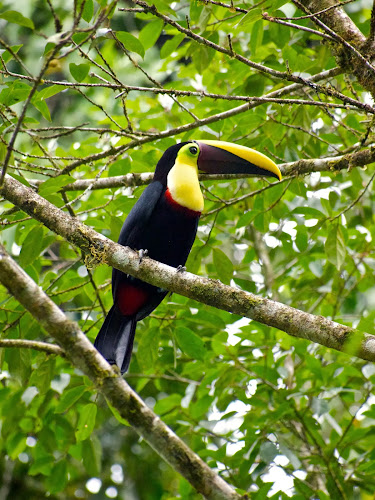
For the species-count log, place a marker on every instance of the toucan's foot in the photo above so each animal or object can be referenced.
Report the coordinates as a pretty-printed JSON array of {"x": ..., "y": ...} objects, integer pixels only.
[
  {"x": 180, "y": 269},
  {"x": 142, "y": 253}
]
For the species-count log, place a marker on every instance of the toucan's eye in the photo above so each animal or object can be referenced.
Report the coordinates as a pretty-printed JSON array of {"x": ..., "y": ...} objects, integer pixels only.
[{"x": 193, "y": 150}]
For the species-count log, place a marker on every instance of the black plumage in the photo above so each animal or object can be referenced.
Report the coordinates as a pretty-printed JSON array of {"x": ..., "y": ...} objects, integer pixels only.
[{"x": 167, "y": 232}]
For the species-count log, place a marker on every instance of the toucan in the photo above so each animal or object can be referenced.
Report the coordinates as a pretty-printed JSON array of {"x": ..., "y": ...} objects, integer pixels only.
[{"x": 164, "y": 223}]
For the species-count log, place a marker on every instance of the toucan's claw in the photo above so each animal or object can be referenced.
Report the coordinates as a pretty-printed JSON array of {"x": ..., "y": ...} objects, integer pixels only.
[
  {"x": 180, "y": 269},
  {"x": 142, "y": 254}
]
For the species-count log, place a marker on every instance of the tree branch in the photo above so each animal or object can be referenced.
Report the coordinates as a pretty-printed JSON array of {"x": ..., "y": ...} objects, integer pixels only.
[
  {"x": 295, "y": 168},
  {"x": 352, "y": 50},
  {"x": 336, "y": 18},
  {"x": 334, "y": 164},
  {"x": 99, "y": 249},
  {"x": 283, "y": 75},
  {"x": 32, "y": 344},
  {"x": 117, "y": 392},
  {"x": 143, "y": 139}
]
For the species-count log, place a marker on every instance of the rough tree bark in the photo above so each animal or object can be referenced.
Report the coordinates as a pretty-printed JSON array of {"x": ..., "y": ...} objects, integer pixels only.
[{"x": 350, "y": 43}]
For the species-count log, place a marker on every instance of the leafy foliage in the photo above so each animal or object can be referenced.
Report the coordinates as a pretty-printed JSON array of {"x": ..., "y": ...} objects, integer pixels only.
[{"x": 274, "y": 414}]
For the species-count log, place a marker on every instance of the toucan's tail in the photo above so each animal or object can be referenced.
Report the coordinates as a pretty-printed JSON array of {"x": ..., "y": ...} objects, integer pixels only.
[{"x": 116, "y": 337}]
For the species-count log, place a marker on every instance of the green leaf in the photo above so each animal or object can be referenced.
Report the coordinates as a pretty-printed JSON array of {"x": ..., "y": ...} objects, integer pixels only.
[
  {"x": 19, "y": 364},
  {"x": 79, "y": 71},
  {"x": 304, "y": 488},
  {"x": 302, "y": 240},
  {"x": 166, "y": 405},
  {"x": 189, "y": 343},
  {"x": 12, "y": 16},
  {"x": 268, "y": 451},
  {"x": 195, "y": 11},
  {"x": 3, "y": 152},
  {"x": 58, "y": 477},
  {"x": 70, "y": 397},
  {"x": 292, "y": 457},
  {"x": 79, "y": 37},
  {"x": 8, "y": 56},
  {"x": 131, "y": 42},
  {"x": 54, "y": 184},
  {"x": 88, "y": 10},
  {"x": 219, "y": 343},
  {"x": 308, "y": 211},
  {"x": 275, "y": 4},
  {"x": 119, "y": 167},
  {"x": 367, "y": 323},
  {"x": 51, "y": 91},
  {"x": 204, "y": 17},
  {"x": 262, "y": 221},
  {"x": 42, "y": 376},
  {"x": 117, "y": 415},
  {"x": 223, "y": 265},
  {"x": 15, "y": 444},
  {"x": 32, "y": 246},
  {"x": 262, "y": 493},
  {"x": 49, "y": 47},
  {"x": 171, "y": 45},
  {"x": 91, "y": 456},
  {"x": 147, "y": 348},
  {"x": 326, "y": 206},
  {"x": 86, "y": 422},
  {"x": 250, "y": 17},
  {"x": 202, "y": 56},
  {"x": 256, "y": 36},
  {"x": 14, "y": 93},
  {"x": 335, "y": 246},
  {"x": 150, "y": 33},
  {"x": 246, "y": 218},
  {"x": 42, "y": 465},
  {"x": 201, "y": 406},
  {"x": 42, "y": 107}
]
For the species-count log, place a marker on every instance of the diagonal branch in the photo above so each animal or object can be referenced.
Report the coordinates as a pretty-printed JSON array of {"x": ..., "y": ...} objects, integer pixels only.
[
  {"x": 99, "y": 249},
  {"x": 117, "y": 392}
]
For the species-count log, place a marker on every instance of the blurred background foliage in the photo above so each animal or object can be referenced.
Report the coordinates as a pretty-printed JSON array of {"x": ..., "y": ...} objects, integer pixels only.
[{"x": 277, "y": 416}]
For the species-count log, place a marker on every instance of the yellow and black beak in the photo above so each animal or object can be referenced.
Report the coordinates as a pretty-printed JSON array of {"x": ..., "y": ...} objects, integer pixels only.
[{"x": 219, "y": 157}]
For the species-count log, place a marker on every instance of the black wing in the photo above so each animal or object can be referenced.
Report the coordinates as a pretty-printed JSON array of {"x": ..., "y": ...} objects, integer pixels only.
[{"x": 131, "y": 234}]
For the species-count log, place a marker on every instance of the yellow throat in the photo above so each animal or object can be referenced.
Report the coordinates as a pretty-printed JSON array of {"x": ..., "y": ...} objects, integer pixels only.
[{"x": 183, "y": 183}]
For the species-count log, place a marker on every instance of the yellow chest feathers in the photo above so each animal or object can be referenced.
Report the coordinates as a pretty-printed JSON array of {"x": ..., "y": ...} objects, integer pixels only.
[{"x": 183, "y": 184}]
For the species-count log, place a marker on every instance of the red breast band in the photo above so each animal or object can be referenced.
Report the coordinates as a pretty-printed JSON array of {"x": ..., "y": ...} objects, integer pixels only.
[{"x": 180, "y": 208}]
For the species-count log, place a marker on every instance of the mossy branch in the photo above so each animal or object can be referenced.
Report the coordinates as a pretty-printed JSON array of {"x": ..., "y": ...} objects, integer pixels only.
[
  {"x": 211, "y": 292},
  {"x": 117, "y": 392},
  {"x": 354, "y": 54}
]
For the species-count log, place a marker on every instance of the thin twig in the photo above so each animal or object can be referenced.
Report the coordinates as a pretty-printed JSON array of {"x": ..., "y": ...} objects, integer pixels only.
[
  {"x": 296, "y": 26},
  {"x": 32, "y": 344},
  {"x": 354, "y": 202},
  {"x": 318, "y": 13}
]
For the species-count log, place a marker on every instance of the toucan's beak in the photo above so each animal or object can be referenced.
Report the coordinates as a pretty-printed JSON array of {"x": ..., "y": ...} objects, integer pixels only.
[{"x": 219, "y": 157}]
